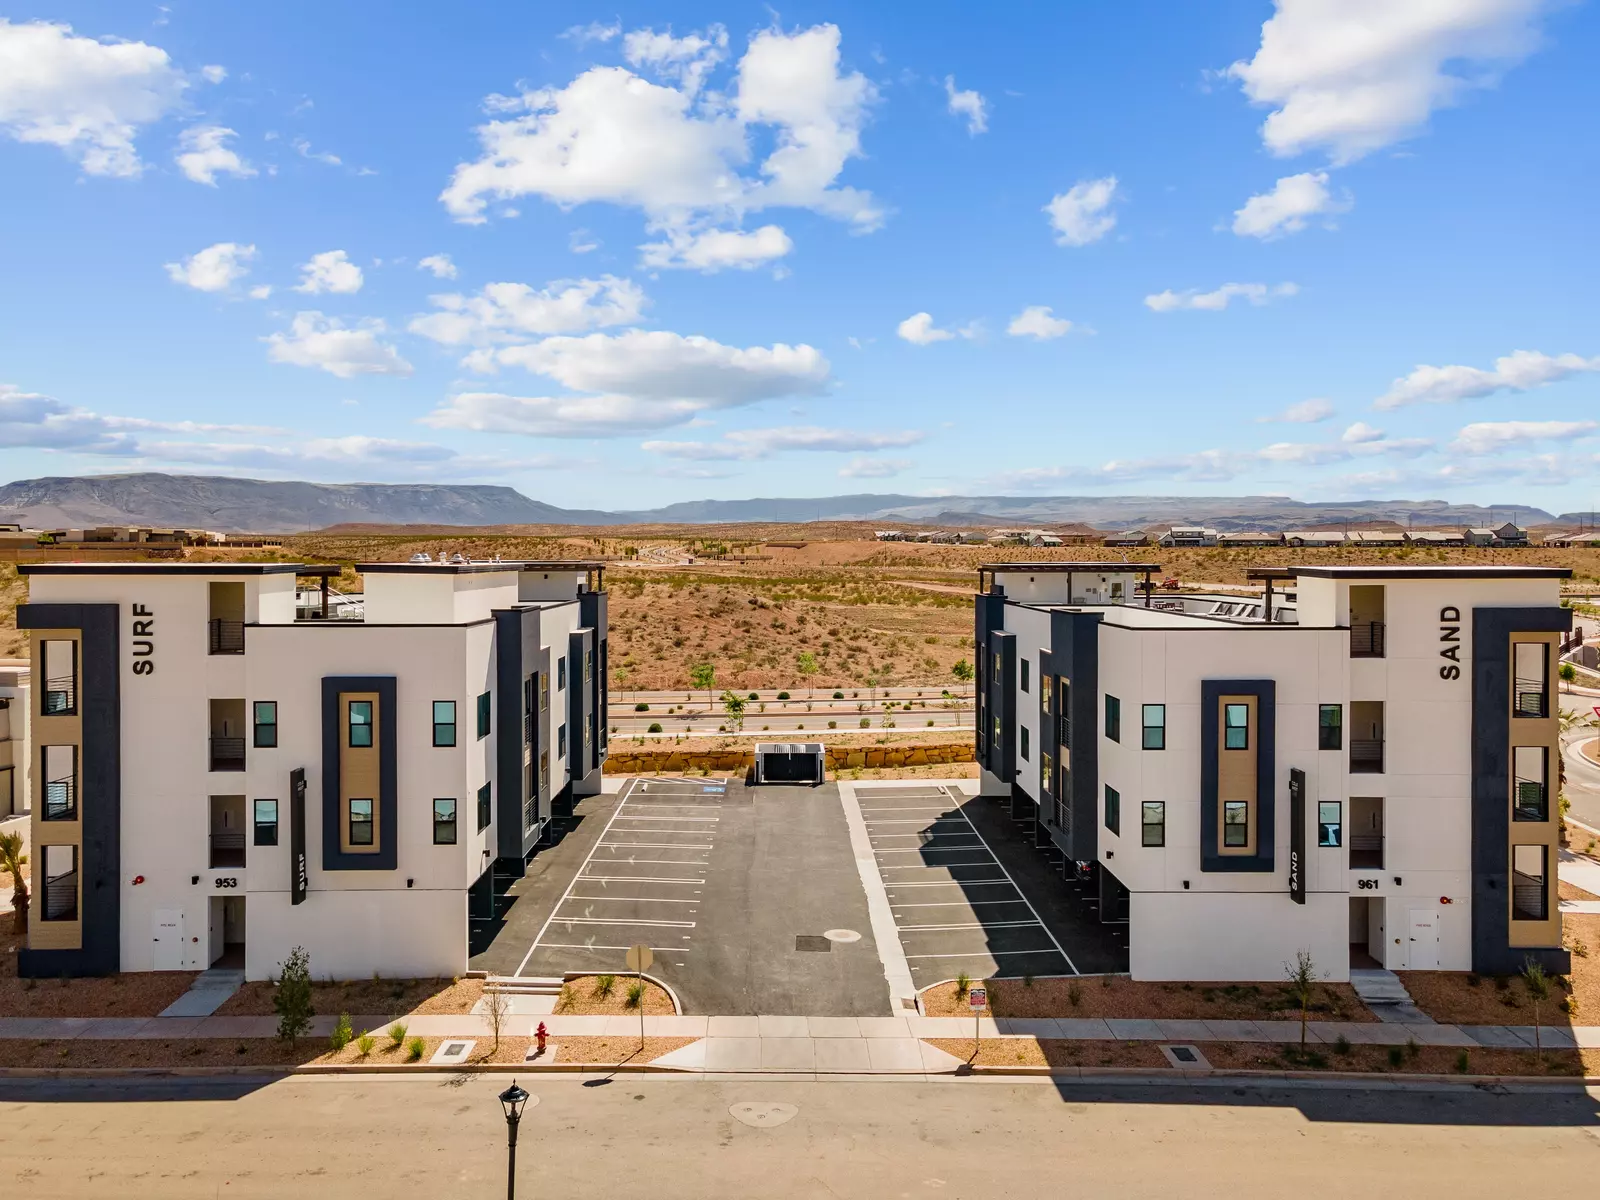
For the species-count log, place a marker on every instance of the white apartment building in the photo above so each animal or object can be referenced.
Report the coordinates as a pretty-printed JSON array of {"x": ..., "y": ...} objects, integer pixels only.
[
  {"x": 1373, "y": 782},
  {"x": 216, "y": 779}
]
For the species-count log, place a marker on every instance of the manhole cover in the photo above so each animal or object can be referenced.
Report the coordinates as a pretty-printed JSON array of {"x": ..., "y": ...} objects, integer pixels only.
[
  {"x": 841, "y": 935},
  {"x": 760, "y": 1115},
  {"x": 811, "y": 942}
]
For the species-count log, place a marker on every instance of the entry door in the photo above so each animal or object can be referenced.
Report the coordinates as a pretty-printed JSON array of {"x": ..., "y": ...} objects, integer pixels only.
[
  {"x": 168, "y": 949},
  {"x": 1422, "y": 950}
]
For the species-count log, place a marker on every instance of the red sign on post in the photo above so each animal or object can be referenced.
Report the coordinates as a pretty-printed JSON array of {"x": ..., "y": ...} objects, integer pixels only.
[{"x": 977, "y": 998}]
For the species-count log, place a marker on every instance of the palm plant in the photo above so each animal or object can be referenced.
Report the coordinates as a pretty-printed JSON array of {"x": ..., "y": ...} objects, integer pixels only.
[{"x": 13, "y": 860}]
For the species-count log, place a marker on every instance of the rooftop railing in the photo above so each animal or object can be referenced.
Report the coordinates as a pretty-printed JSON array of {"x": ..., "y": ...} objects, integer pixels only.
[{"x": 1366, "y": 639}]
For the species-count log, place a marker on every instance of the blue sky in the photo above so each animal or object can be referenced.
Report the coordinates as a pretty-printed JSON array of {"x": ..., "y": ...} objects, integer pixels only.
[{"x": 1319, "y": 248}]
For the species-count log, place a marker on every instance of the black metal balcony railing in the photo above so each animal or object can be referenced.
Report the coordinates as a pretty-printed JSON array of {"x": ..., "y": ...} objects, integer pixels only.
[
  {"x": 1366, "y": 639},
  {"x": 1366, "y": 851},
  {"x": 227, "y": 848},
  {"x": 1532, "y": 698},
  {"x": 1529, "y": 897},
  {"x": 1531, "y": 802},
  {"x": 60, "y": 696},
  {"x": 61, "y": 897},
  {"x": 225, "y": 637},
  {"x": 1366, "y": 756},
  {"x": 60, "y": 800},
  {"x": 227, "y": 754}
]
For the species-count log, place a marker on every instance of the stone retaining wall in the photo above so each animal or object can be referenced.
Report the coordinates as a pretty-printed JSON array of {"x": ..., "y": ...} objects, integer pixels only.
[{"x": 647, "y": 762}]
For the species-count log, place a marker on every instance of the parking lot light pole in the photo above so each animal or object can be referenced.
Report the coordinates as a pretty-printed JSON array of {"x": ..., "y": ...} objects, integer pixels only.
[{"x": 512, "y": 1100}]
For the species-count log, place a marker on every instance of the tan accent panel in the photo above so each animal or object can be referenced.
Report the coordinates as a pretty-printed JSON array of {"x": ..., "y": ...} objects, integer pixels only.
[
  {"x": 1546, "y": 732},
  {"x": 1236, "y": 773},
  {"x": 359, "y": 773},
  {"x": 53, "y": 731}
]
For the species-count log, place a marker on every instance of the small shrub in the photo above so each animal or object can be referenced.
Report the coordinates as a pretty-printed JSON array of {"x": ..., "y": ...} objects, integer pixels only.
[
  {"x": 655, "y": 727},
  {"x": 752, "y": 696},
  {"x": 291, "y": 999},
  {"x": 1413, "y": 1048},
  {"x": 635, "y": 994},
  {"x": 1396, "y": 1056},
  {"x": 342, "y": 1033},
  {"x": 1105, "y": 981},
  {"x": 364, "y": 1045},
  {"x": 1473, "y": 980},
  {"x": 604, "y": 985},
  {"x": 641, "y": 707},
  {"x": 783, "y": 695},
  {"x": 838, "y": 695},
  {"x": 1074, "y": 994},
  {"x": 833, "y": 724},
  {"x": 1341, "y": 1045},
  {"x": 415, "y": 1048},
  {"x": 963, "y": 985},
  {"x": 1463, "y": 1063},
  {"x": 1027, "y": 981},
  {"x": 866, "y": 722},
  {"x": 397, "y": 1032},
  {"x": 930, "y": 724}
]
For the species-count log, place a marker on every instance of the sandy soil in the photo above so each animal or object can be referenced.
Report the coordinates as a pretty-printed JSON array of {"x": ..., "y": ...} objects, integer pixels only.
[
  {"x": 613, "y": 1050},
  {"x": 582, "y": 997},
  {"x": 1119, "y": 996},
  {"x": 136, "y": 994},
  {"x": 1462, "y": 998},
  {"x": 398, "y": 996},
  {"x": 1571, "y": 891},
  {"x": 386, "y": 1051}
]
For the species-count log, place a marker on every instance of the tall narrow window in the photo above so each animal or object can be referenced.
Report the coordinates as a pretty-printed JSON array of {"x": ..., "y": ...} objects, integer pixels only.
[
  {"x": 1065, "y": 708},
  {"x": 444, "y": 722},
  {"x": 561, "y": 741},
  {"x": 360, "y": 723},
  {"x": 266, "y": 822},
  {"x": 588, "y": 665},
  {"x": 529, "y": 687},
  {"x": 444, "y": 822},
  {"x": 544, "y": 692},
  {"x": 266, "y": 724},
  {"x": 485, "y": 808},
  {"x": 1024, "y": 669},
  {"x": 561, "y": 672},
  {"x": 60, "y": 883},
  {"x": 1531, "y": 679},
  {"x": 1153, "y": 823},
  {"x": 1113, "y": 810},
  {"x": 483, "y": 715},
  {"x": 60, "y": 783},
  {"x": 997, "y": 733},
  {"x": 1530, "y": 883},
  {"x": 1236, "y": 728},
  {"x": 1047, "y": 781},
  {"x": 544, "y": 771},
  {"x": 1235, "y": 823},
  {"x": 1155, "y": 726},
  {"x": 1330, "y": 823},
  {"x": 1530, "y": 767},
  {"x": 59, "y": 696},
  {"x": 1046, "y": 685},
  {"x": 1113, "y": 718},
  {"x": 360, "y": 818},
  {"x": 1330, "y": 727}
]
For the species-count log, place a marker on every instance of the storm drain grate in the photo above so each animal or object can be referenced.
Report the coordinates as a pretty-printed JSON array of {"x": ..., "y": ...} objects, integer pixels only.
[{"x": 813, "y": 943}]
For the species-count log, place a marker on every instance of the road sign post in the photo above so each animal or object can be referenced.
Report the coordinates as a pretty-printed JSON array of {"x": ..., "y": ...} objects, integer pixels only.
[
  {"x": 639, "y": 960},
  {"x": 977, "y": 1000}
]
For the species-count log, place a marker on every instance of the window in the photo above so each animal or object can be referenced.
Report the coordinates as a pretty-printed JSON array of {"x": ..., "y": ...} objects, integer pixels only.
[
  {"x": 544, "y": 771},
  {"x": 266, "y": 724},
  {"x": 1046, "y": 776},
  {"x": 60, "y": 883},
  {"x": 266, "y": 822},
  {"x": 1530, "y": 766},
  {"x": 1155, "y": 726},
  {"x": 561, "y": 671},
  {"x": 1113, "y": 718},
  {"x": 1530, "y": 883},
  {"x": 1046, "y": 684},
  {"x": 1235, "y": 823},
  {"x": 1531, "y": 669},
  {"x": 1330, "y": 823},
  {"x": 1023, "y": 730},
  {"x": 561, "y": 741},
  {"x": 483, "y": 715},
  {"x": 59, "y": 696},
  {"x": 1114, "y": 810},
  {"x": 1065, "y": 709},
  {"x": 529, "y": 687},
  {"x": 997, "y": 733},
  {"x": 444, "y": 722},
  {"x": 1236, "y": 728},
  {"x": 1024, "y": 669},
  {"x": 360, "y": 723},
  {"x": 485, "y": 809},
  {"x": 444, "y": 822},
  {"x": 588, "y": 665},
  {"x": 60, "y": 783},
  {"x": 1330, "y": 727},
  {"x": 544, "y": 693},
  {"x": 360, "y": 821},
  {"x": 997, "y": 670},
  {"x": 1153, "y": 823}
]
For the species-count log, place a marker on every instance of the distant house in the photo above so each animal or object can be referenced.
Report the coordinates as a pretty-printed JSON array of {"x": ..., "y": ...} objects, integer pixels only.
[
  {"x": 1129, "y": 537},
  {"x": 1038, "y": 537},
  {"x": 1376, "y": 537},
  {"x": 1573, "y": 537},
  {"x": 1249, "y": 539},
  {"x": 1436, "y": 537},
  {"x": 891, "y": 535},
  {"x": 1189, "y": 535},
  {"x": 971, "y": 537},
  {"x": 1510, "y": 534},
  {"x": 1480, "y": 537},
  {"x": 1315, "y": 537}
]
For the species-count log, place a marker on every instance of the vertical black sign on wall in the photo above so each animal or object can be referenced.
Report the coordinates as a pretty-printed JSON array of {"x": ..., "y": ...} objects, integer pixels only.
[
  {"x": 1297, "y": 835},
  {"x": 297, "y": 836}
]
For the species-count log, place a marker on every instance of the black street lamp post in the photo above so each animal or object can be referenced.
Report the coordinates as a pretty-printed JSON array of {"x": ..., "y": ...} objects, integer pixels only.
[{"x": 512, "y": 1100}]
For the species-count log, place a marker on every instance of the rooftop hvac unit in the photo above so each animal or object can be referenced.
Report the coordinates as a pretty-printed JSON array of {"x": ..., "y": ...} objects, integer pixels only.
[{"x": 790, "y": 762}]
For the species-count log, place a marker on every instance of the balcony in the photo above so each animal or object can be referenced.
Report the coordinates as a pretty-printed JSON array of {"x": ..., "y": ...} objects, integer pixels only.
[
  {"x": 60, "y": 696},
  {"x": 1366, "y": 639},
  {"x": 1366, "y": 756},
  {"x": 60, "y": 800},
  {"x": 224, "y": 637},
  {"x": 1366, "y": 851},
  {"x": 227, "y": 754},
  {"x": 227, "y": 848},
  {"x": 1532, "y": 696}
]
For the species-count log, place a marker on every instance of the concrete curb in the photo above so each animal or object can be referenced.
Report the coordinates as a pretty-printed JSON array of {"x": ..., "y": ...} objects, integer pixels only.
[{"x": 1142, "y": 1074}]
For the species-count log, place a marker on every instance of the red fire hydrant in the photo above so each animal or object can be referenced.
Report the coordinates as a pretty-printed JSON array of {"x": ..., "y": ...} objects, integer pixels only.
[{"x": 541, "y": 1033}]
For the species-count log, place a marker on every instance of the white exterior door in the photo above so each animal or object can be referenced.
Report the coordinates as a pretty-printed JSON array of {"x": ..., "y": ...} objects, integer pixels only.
[
  {"x": 1422, "y": 948},
  {"x": 167, "y": 953}
]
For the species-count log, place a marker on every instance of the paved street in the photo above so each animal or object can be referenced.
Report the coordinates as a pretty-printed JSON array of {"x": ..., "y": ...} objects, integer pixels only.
[
  {"x": 663, "y": 1138},
  {"x": 1583, "y": 777}
]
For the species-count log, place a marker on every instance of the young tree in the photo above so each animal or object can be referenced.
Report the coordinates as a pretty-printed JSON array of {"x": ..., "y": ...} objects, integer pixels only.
[
  {"x": 962, "y": 671},
  {"x": 703, "y": 675},
  {"x": 497, "y": 1007},
  {"x": 733, "y": 704},
  {"x": 807, "y": 662},
  {"x": 1538, "y": 985},
  {"x": 12, "y": 859},
  {"x": 291, "y": 999},
  {"x": 1302, "y": 982}
]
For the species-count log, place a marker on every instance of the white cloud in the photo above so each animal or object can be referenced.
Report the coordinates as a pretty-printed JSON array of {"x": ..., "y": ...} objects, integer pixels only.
[
  {"x": 1361, "y": 433},
  {"x": 1216, "y": 301},
  {"x": 616, "y": 137},
  {"x": 261, "y": 292},
  {"x": 330, "y": 271},
  {"x": 85, "y": 96},
  {"x": 1082, "y": 214},
  {"x": 1036, "y": 321},
  {"x": 304, "y": 150},
  {"x": 329, "y": 345},
  {"x": 716, "y": 249},
  {"x": 214, "y": 269},
  {"x": 687, "y": 59},
  {"x": 512, "y": 311},
  {"x": 36, "y": 421},
  {"x": 874, "y": 468},
  {"x": 439, "y": 264},
  {"x": 1354, "y": 76},
  {"x": 633, "y": 382},
  {"x": 919, "y": 330},
  {"x": 581, "y": 241},
  {"x": 1306, "y": 412},
  {"x": 1519, "y": 371},
  {"x": 1489, "y": 437},
  {"x": 204, "y": 154},
  {"x": 750, "y": 444},
  {"x": 1288, "y": 206},
  {"x": 969, "y": 105},
  {"x": 212, "y": 73},
  {"x": 594, "y": 31}
]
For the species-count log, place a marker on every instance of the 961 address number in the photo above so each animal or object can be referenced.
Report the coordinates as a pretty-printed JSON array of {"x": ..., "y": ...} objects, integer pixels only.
[{"x": 1367, "y": 884}]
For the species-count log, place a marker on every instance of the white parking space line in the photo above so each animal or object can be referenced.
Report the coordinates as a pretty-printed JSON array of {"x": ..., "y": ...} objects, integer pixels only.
[
  {"x": 995, "y": 954},
  {"x": 637, "y": 899},
  {"x": 605, "y": 921},
  {"x": 636, "y": 879},
  {"x": 575, "y": 946},
  {"x": 981, "y": 925},
  {"x": 657, "y": 845}
]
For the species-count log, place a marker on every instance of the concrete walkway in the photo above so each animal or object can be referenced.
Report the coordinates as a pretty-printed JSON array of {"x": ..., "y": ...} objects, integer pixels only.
[{"x": 1580, "y": 872}]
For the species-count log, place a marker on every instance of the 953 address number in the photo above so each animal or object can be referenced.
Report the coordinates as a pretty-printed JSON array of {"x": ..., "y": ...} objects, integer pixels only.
[{"x": 227, "y": 881}]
